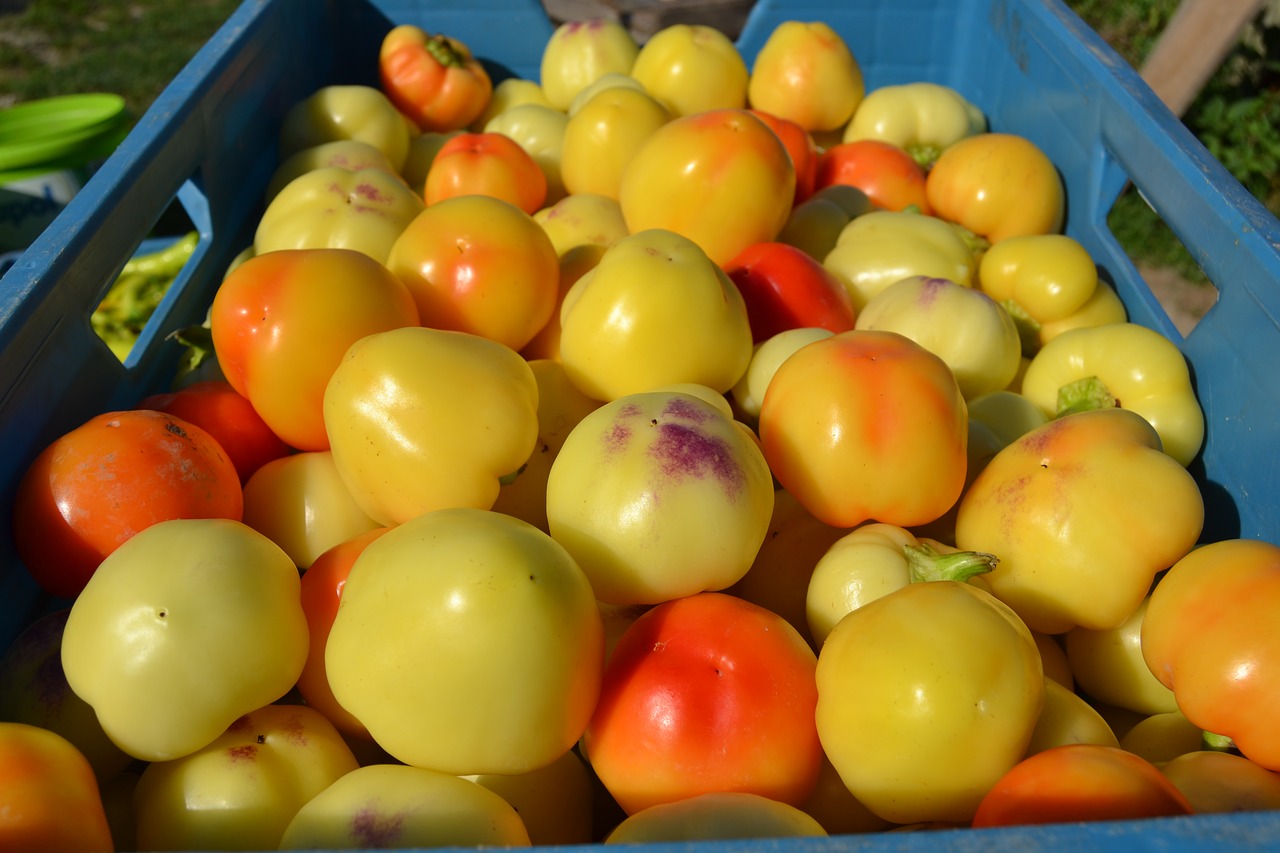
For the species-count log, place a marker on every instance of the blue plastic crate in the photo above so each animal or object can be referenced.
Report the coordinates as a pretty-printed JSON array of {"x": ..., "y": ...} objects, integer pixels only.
[{"x": 1031, "y": 65}]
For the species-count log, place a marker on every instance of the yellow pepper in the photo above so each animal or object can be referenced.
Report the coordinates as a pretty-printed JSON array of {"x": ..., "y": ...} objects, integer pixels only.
[
  {"x": 1121, "y": 365},
  {"x": 422, "y": 419},
  {"x": 1043, "y": 280},
  {"x": 336, "y": 208},
  {"x": 1083, "y": 512},
  {"x": 806, "y": 73},
  {"x": 879, "y": 248},
  {"x": 692, "y": 68},
  {"x": 1068, "y": 718},
  {"x": 872, "y": 561},
  {"x": 581, "y": 52},
  {"x": 927, "y": 696},
  {"x": 923, "y": 118},
  {"x": 998, "y": 185},
  {"x": 363, "y": 113}
]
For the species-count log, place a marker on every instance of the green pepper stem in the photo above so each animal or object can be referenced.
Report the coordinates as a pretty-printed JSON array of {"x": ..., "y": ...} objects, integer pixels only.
[
  {"x": 1028, "y": 327},
  {"x": 927, "y": 563},
  {"x": 1217, "y": 743},
  {"x": 924, "y": 153},
  {"x": 198, "y": 341},
  {"x": 443, "y": 51},
  {"x": 508, "y": 479},
  {"x": 1085, "y": 395}
]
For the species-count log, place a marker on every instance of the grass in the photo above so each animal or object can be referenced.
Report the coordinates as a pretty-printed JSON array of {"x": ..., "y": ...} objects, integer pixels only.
[
  {"x": 133, "y": 48},
  {"x": 55, "y": 47}
]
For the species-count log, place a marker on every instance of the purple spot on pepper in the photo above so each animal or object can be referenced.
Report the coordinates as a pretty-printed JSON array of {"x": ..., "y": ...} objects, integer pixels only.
[
  {"x": 294, "y": 731},
  {"x": 618, "y": 434},
  {"x": 682, "y": 451},
  {"x": 689, "y": 410},
  {"x": 930, "y": 288},
  {"x": 370, "y": 192},
  {"x": 372, "y": 830}
]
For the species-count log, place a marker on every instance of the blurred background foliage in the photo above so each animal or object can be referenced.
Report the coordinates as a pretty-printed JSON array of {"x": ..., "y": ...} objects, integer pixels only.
[{"x": 1236, "y": 116}]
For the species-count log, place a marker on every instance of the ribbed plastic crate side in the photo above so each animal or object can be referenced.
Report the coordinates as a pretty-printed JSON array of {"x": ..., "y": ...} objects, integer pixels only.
[{"x": 211, "y": 134}]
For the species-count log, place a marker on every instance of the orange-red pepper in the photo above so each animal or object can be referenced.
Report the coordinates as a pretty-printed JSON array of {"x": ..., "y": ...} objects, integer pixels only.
[{"x": 433, "y": 79}]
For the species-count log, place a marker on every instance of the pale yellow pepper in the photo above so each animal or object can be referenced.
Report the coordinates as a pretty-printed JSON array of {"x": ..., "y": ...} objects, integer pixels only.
[{"x": 923, "y": 118}]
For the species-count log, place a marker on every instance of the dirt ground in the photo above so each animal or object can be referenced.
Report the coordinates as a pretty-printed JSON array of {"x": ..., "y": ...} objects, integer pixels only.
[{"x": 1185, "y": 302}]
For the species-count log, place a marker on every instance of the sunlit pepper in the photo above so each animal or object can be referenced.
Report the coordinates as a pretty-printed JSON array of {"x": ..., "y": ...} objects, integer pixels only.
[
  {"x": 692, "y": 68},
  {"x": 924, "y": 118},
  {"x": 876, "y": 249},
  {"x": 336, "y": 208},
  {"x": 422, "y": 419},
  {"x": 363, "y": 113},
  {"x": 998, "y": 185},
  {"x": 49, "y": 798},
  {"x": 581, "y": 52},
  {"x": 1210, "y": 636},
  {"x": 1122, "y": 365},
  {"x": 866, "y": 425},
  {"x": 1039, "y": 279},
  {"x": 805, "y": 72},
  {"x": 927, "y": 696},
  {"x": 433, "y": 79},
  {"x": 872, "y": 561},
  {"x": 1083, "y": 512}
]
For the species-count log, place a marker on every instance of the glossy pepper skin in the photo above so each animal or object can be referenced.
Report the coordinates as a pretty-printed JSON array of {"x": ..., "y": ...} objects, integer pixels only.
[
  {"x": 924, "y": 118},
  {"x": 998, "y": 185},
  {"x": 1043, "y": 280},
  {"x": 1083, "y": 513},
  {"x": 1210, "y": 636},
  {"x": 1125, "y": 365},
  {"x": 926, "y": 697},
  {"x": 49, "y": 798},
  {"x": 433, "y": 79},
  {"x": 867, "y": 425}
]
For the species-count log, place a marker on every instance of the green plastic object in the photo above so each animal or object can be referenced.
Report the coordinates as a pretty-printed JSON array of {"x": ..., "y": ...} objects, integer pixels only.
[{"x": 64, "y": 131}]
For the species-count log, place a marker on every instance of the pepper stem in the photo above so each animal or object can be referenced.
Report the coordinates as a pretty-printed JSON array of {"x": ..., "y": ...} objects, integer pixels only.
[
  {"x": 1217, "y": 743},
  {"x": 929, "y": 564},
  {"x": 1085, "y": 395},
  {"x": 924, "y": 153},
  {"x": 508, "y": 479},
  {"x": 1028, "y": 327},
  {"x": 443, "y": 51}
]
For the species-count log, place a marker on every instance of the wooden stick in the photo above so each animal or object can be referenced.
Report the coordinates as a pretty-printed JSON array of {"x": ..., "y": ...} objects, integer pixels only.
[{"x": 1192, "y": 47}]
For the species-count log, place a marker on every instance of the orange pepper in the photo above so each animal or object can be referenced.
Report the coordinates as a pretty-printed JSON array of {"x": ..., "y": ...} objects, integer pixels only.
[
  {"x": 433, "y": 79},
  {"x": 49, "y": 797}
]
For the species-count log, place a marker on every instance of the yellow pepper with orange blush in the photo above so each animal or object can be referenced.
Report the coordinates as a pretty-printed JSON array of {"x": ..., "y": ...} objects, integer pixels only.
[
  {"x": 998, "y": 185},
  {"x": 1083, "y": 513},
  {"x": 806, "y": 73}
]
